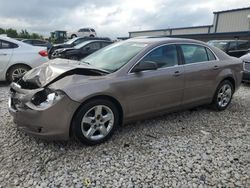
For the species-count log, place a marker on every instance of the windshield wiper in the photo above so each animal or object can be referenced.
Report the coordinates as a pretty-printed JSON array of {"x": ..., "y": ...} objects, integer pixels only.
[
  {"x": 102, "y": 71},
  {"x": 96, "y": 68},
  {"x": 85, "y": 62}
]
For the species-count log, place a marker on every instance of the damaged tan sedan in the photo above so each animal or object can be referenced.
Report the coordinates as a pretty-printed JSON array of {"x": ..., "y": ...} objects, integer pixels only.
[{"x": 130, "y": 80}]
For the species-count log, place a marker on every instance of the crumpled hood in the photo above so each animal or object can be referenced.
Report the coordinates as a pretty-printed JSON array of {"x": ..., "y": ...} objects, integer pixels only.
[{"x": 46, "y": 73}]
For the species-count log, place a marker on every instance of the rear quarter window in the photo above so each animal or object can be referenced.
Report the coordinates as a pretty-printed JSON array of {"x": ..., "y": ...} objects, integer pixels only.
[
  {"x": 7, "y": 45},
  {"x": 210, "y": 55}
]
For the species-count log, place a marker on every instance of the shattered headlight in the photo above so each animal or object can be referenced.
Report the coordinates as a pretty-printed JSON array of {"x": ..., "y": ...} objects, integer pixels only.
[{"x": 44, "y": 99}]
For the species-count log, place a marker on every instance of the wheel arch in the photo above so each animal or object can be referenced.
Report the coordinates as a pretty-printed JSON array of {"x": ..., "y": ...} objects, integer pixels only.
[
  {"x": 231, "y": 79},
  {"x": 104, "y": 97}
]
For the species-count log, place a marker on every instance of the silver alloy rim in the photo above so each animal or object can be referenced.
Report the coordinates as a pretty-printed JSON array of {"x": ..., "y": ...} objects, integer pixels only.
[
  {"x": 18, "y": 73},
  {"x": 97, "y": 122},
  {"x": 224, "y": 95}
]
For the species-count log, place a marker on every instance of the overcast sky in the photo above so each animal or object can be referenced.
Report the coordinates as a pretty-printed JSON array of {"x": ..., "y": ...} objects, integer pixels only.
[{"x": 110, "y": 17}]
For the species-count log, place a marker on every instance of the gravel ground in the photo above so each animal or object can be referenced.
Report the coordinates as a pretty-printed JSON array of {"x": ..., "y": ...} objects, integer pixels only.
[{"x": 194, "y": 148}]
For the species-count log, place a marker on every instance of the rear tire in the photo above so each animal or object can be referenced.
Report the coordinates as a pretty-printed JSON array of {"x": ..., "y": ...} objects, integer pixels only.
[
  {"x": 16, "y": 72},
  {"x": 223, "y": 95},
  {"x": 95, "y": 122},
  {"x": 73, "y": 36}
]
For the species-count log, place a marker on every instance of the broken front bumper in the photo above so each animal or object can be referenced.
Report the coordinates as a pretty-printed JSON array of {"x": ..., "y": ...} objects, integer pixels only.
[{"x": 52, "y": 123}]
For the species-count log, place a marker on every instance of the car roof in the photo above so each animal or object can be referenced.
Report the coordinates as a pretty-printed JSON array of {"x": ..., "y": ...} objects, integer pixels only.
[
  {"x": 93, "y": 38},
  {"x": 155, "y": 40},
  {"x": 227, "y": 40},
  {"x": 33, "y": 39},
  {"x": 8, "y": 39},
  {"x": 89, "y": 41}
]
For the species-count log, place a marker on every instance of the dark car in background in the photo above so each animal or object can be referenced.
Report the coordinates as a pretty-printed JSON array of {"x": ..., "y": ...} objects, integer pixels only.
[
  {"x": 81, "y": 50},
  {"x": 36, "y": 42},
  {"x": 235, "y": 48},
  {"x": 73, "y": 42},
  {"x": 246, "y": 74}
]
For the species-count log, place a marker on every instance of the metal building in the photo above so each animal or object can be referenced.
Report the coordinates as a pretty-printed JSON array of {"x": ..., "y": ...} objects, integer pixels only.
[{"x": 228, "y": 24}]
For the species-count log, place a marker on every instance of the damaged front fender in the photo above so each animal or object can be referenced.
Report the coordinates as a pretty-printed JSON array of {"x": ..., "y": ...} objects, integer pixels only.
[{"x": 36, "y": 99}]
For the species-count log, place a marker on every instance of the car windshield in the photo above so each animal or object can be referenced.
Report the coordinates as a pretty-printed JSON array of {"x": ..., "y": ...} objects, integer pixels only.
[
  {"x": 219, "y": 44},
  {"x": 70, "y": 41},
  {"x": 113, "y": 57},
  {"x": 78, "y": 46}
]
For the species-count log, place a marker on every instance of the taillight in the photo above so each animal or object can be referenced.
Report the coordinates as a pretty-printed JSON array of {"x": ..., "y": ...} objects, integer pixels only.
[{"x": 43, "y": 53}]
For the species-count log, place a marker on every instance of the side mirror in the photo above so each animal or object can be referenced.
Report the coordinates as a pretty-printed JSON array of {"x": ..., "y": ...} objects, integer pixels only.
[
  {"x": 145, "y": 65},
  {"x": 87, "y": 48}
]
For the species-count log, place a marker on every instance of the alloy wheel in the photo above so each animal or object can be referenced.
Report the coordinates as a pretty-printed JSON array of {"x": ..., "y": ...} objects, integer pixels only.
[
  {"x": 224, "y": 95},
  {"x": 18, "y": 73},
  {"x": 97, "y": 122}
]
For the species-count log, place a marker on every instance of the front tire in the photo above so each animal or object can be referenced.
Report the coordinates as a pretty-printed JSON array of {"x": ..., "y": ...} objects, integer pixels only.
[
  {"x": 73, "y": 36},
  {"x": 223, "y": 95},
  {"x": 95, "y": 122}
]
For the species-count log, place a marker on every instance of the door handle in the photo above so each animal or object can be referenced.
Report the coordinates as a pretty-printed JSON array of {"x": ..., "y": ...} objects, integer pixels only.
[
  {"x": 177, "y": 73},
  {"x": 216, "y": 67}
]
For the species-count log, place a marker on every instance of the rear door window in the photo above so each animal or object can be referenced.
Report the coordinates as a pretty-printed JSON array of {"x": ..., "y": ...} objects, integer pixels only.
[
  {"x": 243, "y": 45},
  {"x": 194, "y": 53},
  {"x": 84, "y": 30}
]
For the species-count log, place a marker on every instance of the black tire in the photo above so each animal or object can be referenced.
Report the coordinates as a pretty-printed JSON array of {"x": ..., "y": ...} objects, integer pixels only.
[
  {"x": 13, "y": 69},
  {"x": 83, "y": 111},
  {"x": 73, "y": 36},
  {"x": 74, "y": 57},
  {"x": 91, "y": 36},
  {"x": 216, "y": 100}
]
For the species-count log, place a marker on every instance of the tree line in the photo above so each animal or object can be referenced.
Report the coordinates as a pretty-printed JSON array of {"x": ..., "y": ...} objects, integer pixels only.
[{"x": 23, "y": 34}]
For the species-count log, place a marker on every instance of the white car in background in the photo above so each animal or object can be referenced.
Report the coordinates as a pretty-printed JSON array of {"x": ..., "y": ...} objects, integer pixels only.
[
  {"x": 83, "y": 32},
  {"x": 17, "y": 57}
]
